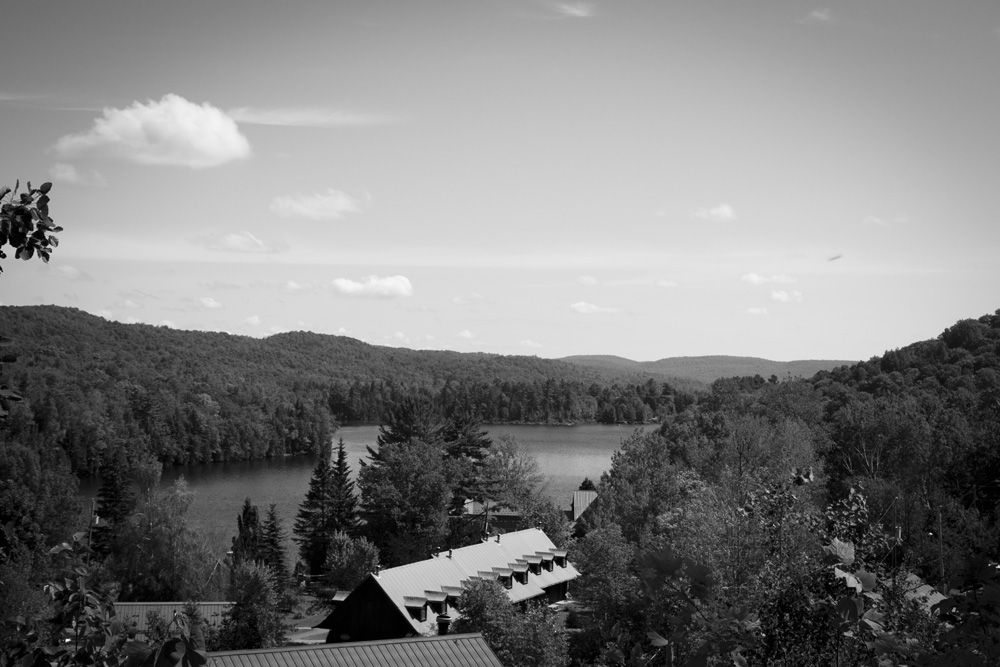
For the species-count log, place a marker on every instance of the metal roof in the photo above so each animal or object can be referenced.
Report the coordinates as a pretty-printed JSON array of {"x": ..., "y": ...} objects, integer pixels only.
[
  {"x": 449, "y": 569},
  {"x": 134, "y": 613},
  {"x": 468, "y": 650},
  {"x": 581, "y": 501}
]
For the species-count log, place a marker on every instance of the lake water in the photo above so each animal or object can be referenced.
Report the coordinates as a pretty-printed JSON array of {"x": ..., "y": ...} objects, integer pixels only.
[{"x": 565, "y": 455}]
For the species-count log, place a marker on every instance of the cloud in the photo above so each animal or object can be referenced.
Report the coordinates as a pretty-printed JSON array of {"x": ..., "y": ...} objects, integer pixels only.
[
  {"x": 756, "y": 311},
  {"x": 128, "y": 303},
  {"x": 72, "y": 273},
  {"x": 170, "y": 132},
  {"x": 210, "y": 303},
  {"x": 465, "y": 333},
  {"x": 253, "y": 320},
  {"x": 169, "y": 323},
  {"x": 67, "y": 173},
  {"x": 293, "y": 287},
  {"x": 529, "y": 343},
  {"x": 374, "y": 286},
  {"x": 720, "y": 213},
  {"x": 244, "y": 242},
  {"x": 308, "y": 117},
  {"x": 824, "y": 15},
  {"x": 576, "y": 10},
  {"x": 341, "y": 331},
  {"x": 667, "y": 283},
  {"x": 786, "y": 297},
  {"x": 587, "y": 280},
  {"x": 328, "y": 205},
  {"x": 470, "y": 298},
  {"x": 585, "y": 308},
  {"x": 757, "y": 279}
]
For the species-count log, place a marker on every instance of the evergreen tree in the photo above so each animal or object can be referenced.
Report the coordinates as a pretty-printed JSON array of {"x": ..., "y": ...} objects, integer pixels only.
[
  {"x": 248, "y": 543},
  {"x": 344, "y": 502},
  {"x": 272, "y": 546},
  {"x": 115, "y": 501},
  {"x": 314, "y": 523}
]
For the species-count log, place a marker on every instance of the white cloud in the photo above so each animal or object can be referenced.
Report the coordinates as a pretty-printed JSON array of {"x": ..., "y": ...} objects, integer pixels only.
[
  {"x": 67, "y": 173},
  {"x": 242, "y": 242},
  {"x": 585, "y": 308},
  {"x": 756, "y": 311},
  {"x": 171, "y": 132},
  {"x": 341, "y": 331},
  {"x": 786, "y": 297},
  {"x": 465, "y": 333},
  {"x": 587, "y": 280},
  {"x": 720, "y": 213},
  {"x": 72, "y": 273},
  {"x": 210, "y": 303},
  {"x": 308, "y": 117},
  {"x": 253, "y": 320},
  {"x": 470, "y": 298},
  {"x": 529, "y": 343},
  {"x": 293, "y": 287},
  {"x": 757, "y": 279},
  {"x": 374, "y": 286},
  {"x": 277, "y": 330},
  {"x": 328, "y": 205},
  {"x": 169, "y": 323},
  {"x": 132, "y": 320},
  {"x": 105, "y": 313},
  {"x": 128, "y": 303},
  {"x": 824, "y": 15},
  {"x": 576, "y": 10}
]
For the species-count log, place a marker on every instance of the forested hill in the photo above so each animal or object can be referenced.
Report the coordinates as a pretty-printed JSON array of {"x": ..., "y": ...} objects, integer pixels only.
[
  {"x": 98, "y": 387},
  {"x": 707, "y": 369}
]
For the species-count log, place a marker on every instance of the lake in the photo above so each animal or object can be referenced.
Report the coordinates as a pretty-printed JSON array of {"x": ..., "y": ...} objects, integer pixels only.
[{"x": 565, "y": 455}]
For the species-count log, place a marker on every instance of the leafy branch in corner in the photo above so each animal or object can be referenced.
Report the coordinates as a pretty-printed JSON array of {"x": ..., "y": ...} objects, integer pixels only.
[{"x": 25, "y": 223}]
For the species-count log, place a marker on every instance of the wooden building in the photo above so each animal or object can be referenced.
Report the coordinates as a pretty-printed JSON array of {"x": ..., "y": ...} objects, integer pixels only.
[
  {"x": 406, "y": 601},
  {"x": 135, "y": 615},
  {"x": 447, "y": 651}
]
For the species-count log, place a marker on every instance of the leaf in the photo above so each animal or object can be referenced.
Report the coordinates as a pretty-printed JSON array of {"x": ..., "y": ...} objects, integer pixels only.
[
  {"x": 738, "y": 659},
  {"x": 849, "y": 579},
  {"x": 849, "y": 609},
  {"x": 839, "y": 552},
  {"x": 657, "y": 639},
  {"x": 4, "y": 191},
  {"x": 45, "y": 187},
  {"x": 868, "y": 580}
]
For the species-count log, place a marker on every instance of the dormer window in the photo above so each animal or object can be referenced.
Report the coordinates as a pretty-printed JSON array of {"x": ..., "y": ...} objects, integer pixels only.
[
  {"x": 559, "y": 556},
  {"x": 520, "y": 570},
  {"x": 416, "y": 607},
  {"x": 506, "y": 576},
  {"x": 437, "y": 602},
  {"x": 534, "y": 564}
]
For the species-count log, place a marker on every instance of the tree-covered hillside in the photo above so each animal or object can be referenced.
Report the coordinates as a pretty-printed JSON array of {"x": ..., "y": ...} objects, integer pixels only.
[
  {"x": 708, "y": 369},
  {"x": 96, "y": 388}
]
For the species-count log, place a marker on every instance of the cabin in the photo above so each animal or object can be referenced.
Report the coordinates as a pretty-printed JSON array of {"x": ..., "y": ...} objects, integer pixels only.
[
  {"x": 468, "y": 650},
  {"x": 581, "y": 501},
  {"x": 407, "y": 600}
]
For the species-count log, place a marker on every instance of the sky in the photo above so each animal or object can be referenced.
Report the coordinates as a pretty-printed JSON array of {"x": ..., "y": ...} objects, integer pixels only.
[{"x": 644, "y": 178}]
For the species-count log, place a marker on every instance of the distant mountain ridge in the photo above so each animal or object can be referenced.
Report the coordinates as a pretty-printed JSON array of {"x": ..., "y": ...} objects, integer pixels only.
[{"x": 707, "y": 369}]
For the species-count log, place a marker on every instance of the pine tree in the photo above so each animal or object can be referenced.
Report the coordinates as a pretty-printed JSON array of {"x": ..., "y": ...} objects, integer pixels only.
[
  {"x": 115, "y": 501},
  {"x": 272, "y": 546},
  {"x": 344, "y": 501},
  {"x": 313, "y": 525},
  {"x": 247, "y": 543}
]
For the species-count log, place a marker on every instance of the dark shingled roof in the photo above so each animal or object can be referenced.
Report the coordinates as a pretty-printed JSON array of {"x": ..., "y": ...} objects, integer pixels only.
[{"x": 469, "y": 650}]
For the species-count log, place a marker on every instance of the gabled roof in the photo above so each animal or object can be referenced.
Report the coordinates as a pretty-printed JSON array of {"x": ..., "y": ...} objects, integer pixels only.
[
  {"x": 452, "y": 570},
  {"x": 581, "y": 501},
  {"x": 468, "y": 650}
]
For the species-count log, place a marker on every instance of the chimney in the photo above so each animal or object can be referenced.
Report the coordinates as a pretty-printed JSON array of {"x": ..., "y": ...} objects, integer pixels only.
[
  {"x": 498, "y": 538},
  {"x": 443, "y": 621}
]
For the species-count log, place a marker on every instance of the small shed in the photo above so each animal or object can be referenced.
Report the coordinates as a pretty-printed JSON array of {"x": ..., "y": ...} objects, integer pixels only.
[{"x": 135, "y": 614}]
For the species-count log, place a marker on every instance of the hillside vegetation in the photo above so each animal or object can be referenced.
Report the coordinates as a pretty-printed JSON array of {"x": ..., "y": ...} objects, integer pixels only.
[{"x": 708, "y": 369}]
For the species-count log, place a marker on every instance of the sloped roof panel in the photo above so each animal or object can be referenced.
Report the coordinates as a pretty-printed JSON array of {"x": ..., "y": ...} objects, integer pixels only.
[{"x": 468, "y": 650}]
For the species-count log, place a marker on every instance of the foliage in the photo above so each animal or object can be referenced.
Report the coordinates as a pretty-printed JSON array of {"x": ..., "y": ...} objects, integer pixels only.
[
  {"x": 254, "y": 620},
  {"x": 248, "y": 542},
  {"x": 154, "y": 555},
  {"x": 272, "y": 546},
  {"x": 82, "y": 630},
  {"x": 329, "y": 506},
  {"x": 520, "y": 639},
  {"x": 25, "y": 224},
  {"x": 348, "y": 561},
  {"x": 407, "y": 494}
]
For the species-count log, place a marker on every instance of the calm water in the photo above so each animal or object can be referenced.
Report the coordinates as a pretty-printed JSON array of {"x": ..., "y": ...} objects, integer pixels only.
[{"x": 565, "y": 454}]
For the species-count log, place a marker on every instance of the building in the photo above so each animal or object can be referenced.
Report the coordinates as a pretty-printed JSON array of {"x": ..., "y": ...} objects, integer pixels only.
[
  {"x": 446, "y": 651},
  {"x": 134, "y": 615},
  {"x": 581, "y": 501},
  {"x": 406, "y": 601}
]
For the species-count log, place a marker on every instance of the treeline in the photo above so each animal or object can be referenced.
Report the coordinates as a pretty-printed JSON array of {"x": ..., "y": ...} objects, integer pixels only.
[
  {"x": 94, "y": 387},
  {"x": 504, "y": 401},
  {"x": 806, "y": 521}
]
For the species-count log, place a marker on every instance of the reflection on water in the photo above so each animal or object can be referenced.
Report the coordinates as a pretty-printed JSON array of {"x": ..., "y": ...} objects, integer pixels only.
[{"x": 565, "y": 454}]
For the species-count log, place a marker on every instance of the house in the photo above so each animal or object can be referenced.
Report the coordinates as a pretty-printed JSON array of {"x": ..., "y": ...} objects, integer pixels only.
[
  {"x": 468, "y": 650},
  {"x": 134, "y": 615},
  {"x": 406, "y": 600}
]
